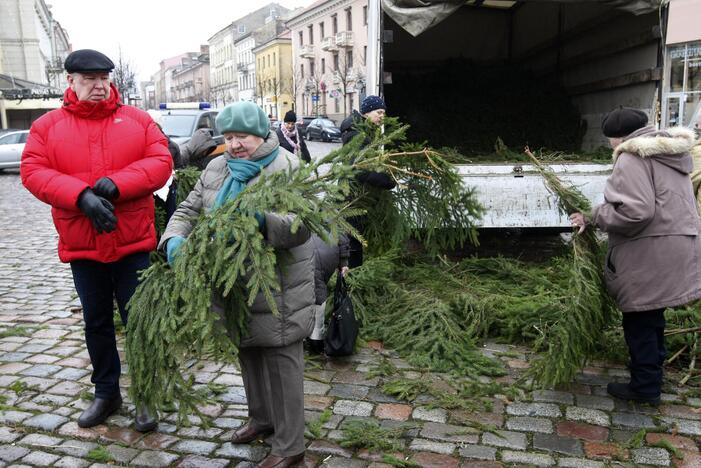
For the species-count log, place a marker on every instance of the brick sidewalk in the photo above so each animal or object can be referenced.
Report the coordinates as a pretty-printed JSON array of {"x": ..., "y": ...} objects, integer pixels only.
[{"x": 44, "y": 380}]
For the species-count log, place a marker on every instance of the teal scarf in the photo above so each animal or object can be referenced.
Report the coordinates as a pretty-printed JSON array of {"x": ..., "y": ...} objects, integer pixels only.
[{"x": 240, "y": 172}]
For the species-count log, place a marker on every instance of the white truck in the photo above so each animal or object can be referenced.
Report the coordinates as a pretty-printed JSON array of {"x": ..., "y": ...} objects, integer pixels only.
[{"x": 603, "y": 53}]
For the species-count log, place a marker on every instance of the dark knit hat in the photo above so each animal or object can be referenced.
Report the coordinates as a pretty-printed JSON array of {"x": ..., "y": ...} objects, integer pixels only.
[
  {"x": 290, "y": 116},
  {"x": 371, "y": 103},
  {"x": 243, "y": 117},
  {"x": 622, "y": 122},
  {"x": 87, "y": 61}
]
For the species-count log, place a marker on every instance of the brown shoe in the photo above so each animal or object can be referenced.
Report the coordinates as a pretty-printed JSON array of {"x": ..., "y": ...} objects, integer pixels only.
[
  {"x": 272, "y": 461},
  {"x": 248, "y": 433}
]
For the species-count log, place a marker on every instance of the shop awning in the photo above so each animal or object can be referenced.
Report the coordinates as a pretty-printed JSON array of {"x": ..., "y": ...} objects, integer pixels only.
[{"x": 416, "y": 16}]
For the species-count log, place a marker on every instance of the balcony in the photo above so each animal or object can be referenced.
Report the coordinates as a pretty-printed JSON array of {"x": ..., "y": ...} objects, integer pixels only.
[
  {"x": 329, "y": 44},
  {"x": 344, "y": 39},
  {"x": 306, "y": 51},
  {"x": 242, "y": 67}
]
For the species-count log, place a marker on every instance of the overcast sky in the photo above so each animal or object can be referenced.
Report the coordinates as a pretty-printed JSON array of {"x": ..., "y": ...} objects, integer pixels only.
[{"x": 150, "y": 30}]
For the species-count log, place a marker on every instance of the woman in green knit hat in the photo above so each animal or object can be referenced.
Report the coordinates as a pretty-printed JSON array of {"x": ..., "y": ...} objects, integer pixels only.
[{"x": 271, "y": 354}]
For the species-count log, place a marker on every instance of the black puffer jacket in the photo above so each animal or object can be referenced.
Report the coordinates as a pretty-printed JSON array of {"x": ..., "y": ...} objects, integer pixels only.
[{"x": 348, "y": 131}]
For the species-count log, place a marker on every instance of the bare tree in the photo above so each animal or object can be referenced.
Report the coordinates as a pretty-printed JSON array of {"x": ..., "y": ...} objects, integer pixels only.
[
  {"x": 124, "y": 76},
  {"x": 296, "y": 86},
  {"x": 346, "y": 76}
]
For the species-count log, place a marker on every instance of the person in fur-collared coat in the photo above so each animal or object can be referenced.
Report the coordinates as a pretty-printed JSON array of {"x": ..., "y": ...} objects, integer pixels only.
[
  {"x": 696, "y": 157},
  {"x": 654, "y": 236}
]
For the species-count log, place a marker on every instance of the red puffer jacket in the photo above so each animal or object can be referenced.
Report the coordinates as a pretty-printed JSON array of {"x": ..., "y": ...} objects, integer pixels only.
[{"x": 68, "y": 149}]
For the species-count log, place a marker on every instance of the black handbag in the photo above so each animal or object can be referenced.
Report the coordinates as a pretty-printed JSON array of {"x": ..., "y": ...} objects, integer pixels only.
[{"x": 343, "y": 327}]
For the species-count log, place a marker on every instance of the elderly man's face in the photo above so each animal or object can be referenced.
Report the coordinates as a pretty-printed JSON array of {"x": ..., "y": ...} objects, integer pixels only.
[
  {"x": 241, "y": 145},
  {"x": 376, "y": 116},
  {"x": 90, "y": 86}
]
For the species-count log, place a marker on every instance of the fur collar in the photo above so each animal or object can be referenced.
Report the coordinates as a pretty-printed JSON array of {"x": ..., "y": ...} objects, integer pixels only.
[{"x": 675, "y": 140}]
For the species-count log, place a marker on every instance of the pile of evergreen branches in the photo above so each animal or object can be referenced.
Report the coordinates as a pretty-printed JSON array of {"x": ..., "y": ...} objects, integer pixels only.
[{"x": 226, "y": 255}]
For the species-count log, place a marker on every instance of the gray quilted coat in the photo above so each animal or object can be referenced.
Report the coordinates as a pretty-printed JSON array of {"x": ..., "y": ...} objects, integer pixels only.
[{"x": 295, "y": 254}]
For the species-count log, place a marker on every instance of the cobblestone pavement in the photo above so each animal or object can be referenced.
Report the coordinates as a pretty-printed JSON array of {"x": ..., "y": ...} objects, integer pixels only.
[{"x": 44, "y": 385}]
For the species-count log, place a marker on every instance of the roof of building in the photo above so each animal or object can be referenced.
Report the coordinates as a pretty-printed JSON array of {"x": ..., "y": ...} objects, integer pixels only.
[{"x": 309, "y": 8}]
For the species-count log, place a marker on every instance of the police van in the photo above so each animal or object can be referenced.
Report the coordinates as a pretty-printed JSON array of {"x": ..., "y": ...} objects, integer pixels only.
[{"x": 180, "y": 120}]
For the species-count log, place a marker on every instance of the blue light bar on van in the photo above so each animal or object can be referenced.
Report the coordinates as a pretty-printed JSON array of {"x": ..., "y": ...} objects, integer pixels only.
[{"x": 184, "y": 105}]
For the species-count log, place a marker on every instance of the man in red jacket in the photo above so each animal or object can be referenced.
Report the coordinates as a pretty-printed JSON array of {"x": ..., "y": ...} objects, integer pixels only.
[{"x": 97, "y": 161}]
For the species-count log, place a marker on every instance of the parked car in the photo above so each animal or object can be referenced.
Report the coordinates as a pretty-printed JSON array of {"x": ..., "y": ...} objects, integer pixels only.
[
  {"x": 11, "y": 147},
  {"x": 303, "y": 123},
  {"x": 323, "y": 129}
]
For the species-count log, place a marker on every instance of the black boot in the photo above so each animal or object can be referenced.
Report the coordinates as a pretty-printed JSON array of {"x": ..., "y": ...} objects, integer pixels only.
[
  {"x": 623, "y": 391},
  {"x": 144, "y": 421},
  {"x": 99, "y": 410}
]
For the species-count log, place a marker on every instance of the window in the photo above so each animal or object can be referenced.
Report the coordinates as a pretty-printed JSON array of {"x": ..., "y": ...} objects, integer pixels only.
[
  {"x": 321, "y": 30},
  {"x": 365, "y": 15},
  {"x": 311, "y": 67},
  {"x": 274, "y": 59},
  {"x": 682, "y": 94},
  {"x": 242, "y": 28},
  {"x": 323, "y": 66},
  {"x": 301, "y": 69},
  {"x": 349, "y": 59},
  {"x": 349, "y": 19},
  {"x": 335, "y": 62},
  {"x": 335, "y": 105},
  {"x": 311, "y": 33},
  {"x": 334, "y": 24},
  {"x": 301, "y": 38},
  {"x": 365, "y": 55}
]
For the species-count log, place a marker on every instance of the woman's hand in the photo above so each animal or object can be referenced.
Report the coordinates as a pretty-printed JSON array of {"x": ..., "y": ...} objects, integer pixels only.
[
  {"x": 344, "y": 271},
  {"x": 578, "y": 220}
]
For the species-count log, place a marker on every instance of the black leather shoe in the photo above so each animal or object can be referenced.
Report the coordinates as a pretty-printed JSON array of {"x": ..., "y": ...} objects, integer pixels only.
[
  {"x": 144, "y": 421},
  {"x": 272, "y": 461},
  {"x": 248, "y": 433},
  {"x": 100, "y": 410},
  {"x": 623, "y": 391}
]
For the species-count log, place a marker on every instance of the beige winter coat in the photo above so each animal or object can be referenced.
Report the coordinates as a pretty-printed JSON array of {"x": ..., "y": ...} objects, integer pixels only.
[
  {"x": 295, "y": 262},
  {"x": 650, "y": 216}
]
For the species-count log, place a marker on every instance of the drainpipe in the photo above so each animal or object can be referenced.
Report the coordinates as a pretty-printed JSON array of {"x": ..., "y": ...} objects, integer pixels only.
[{"x": 374, "y": 73}]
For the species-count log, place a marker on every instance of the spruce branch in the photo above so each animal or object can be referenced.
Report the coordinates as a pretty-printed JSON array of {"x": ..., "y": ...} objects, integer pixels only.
[{"x": 226, "y": 258}]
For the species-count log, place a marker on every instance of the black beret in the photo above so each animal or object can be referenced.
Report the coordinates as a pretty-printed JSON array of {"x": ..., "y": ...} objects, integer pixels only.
[
  {"x": 87, "y": 60},
  {"x": 622, "y": 122},
  {"x": 290, "y": 116}
]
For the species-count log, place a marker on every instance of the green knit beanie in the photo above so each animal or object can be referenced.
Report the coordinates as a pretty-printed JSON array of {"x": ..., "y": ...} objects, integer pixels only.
[{"x": 243, "y": 117}]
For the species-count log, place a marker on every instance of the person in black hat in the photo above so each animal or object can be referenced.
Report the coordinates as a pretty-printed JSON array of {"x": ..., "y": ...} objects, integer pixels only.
[
  {"x": 291, "y": 139},
  {"x": 654, "y": 240},
  {"x": 372, "y": 110},
  {"x": 97, "y": 161}
]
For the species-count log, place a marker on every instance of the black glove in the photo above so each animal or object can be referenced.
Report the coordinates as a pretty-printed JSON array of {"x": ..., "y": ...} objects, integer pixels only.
[
  {"x": 105, "y": 188},
  {"x": 98, "y": 210}
]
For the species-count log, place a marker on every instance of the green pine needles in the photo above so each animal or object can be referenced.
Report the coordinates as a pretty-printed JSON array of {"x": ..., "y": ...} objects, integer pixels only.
[
  {"x": 226, "y": 257},
  {"x": 588, "y": 310}
]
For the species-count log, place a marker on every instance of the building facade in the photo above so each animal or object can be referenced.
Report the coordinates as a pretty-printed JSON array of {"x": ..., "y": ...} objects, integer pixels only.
[
  {"x": 163, "y": 78},
  {"x": 274, "y": 82},
  {"x": 33, "y": 46},
  {"x": 329, "y": 51},
  {"x": 681, "y": 89},
  {"x": 190, "y": 82},
  {"x": 245, "y": 68},
  {"x": 224, "y": 58}
]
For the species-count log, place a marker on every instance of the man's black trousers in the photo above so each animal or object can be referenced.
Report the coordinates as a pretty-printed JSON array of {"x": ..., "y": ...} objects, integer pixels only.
[{"x": 98, "y": 285}]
